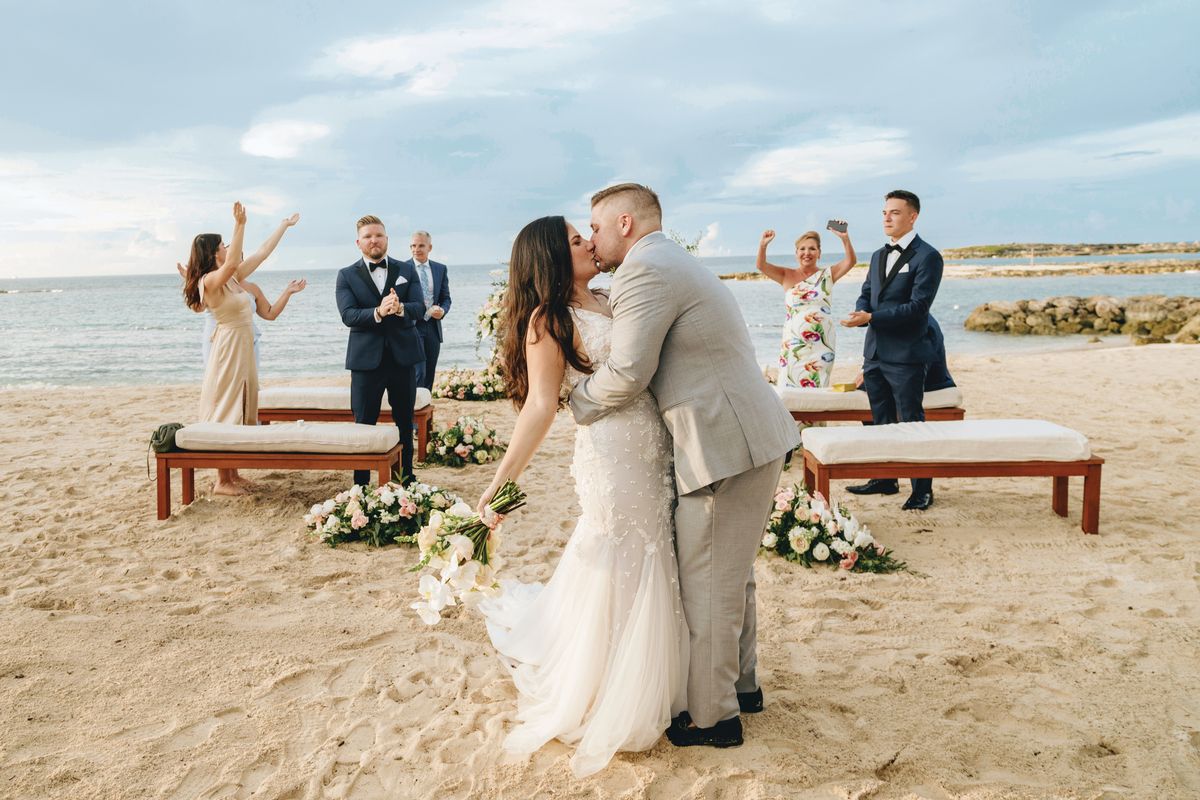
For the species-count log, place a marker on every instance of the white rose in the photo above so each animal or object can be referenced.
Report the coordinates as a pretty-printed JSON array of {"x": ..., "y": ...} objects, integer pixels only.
[
  {"x": 841, "y": 546},
  {"x": 460, "y": 509},
  {"x": 798, "y": 539},
  {"x": 770, "y": 540},
  {"x": 820, "y": 552},
  {"x": 328, "y": 506}
]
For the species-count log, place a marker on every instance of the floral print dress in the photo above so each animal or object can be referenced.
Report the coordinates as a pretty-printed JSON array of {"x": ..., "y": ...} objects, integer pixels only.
[{"x": 809, "y": 333}]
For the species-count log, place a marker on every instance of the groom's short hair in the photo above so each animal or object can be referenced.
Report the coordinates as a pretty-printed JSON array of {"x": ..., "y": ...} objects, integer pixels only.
[
  {"x": 369, "y": 219},
  {"x": 641, "y": 199},
  {"x": 913, "y": 201}
]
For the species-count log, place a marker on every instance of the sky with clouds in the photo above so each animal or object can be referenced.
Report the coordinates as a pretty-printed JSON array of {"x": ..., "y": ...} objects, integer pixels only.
[{"x": 129, "y": 127}]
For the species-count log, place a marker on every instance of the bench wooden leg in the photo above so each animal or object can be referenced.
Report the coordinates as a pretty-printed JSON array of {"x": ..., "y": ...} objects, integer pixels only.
[
  {"x": 189, "y": 484},
  {"x": 1091, "y": 499},
  {"x": 809, "y": 478},
  {"x": 823, "y": 482},
  {"x": 1059, "y": 500},
  {"x": 423, "y": 437},
  {"x": 385, "y": 469},
  {"x": 163, "y": 480}
]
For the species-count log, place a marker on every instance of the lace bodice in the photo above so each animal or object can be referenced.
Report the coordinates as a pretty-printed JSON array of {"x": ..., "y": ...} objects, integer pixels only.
[{"x": 595, "y": 331}]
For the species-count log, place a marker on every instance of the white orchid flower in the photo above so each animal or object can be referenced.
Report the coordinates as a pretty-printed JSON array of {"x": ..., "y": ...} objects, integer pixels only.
[
  {"x": 460, "y": 509},
  {"x": 437, "y": 593},
  {"x": 463, "y": 547},
  {"x": 427, "y": 614}
]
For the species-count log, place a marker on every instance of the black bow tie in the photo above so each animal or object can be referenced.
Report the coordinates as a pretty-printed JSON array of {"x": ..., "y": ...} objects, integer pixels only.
[
  {"x": 892, "y": 248},
  {"x": 378, "y": 265}
]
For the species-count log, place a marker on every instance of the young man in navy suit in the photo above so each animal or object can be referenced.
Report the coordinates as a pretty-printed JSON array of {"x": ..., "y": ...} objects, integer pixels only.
[
  {"x": 900, "y": 344},
  {"x": 380, "y": 300},
  {"x": 435, "y": 289}
]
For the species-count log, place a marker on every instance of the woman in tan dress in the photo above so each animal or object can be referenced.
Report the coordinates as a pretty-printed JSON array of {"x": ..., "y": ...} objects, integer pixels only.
[{"x": 230, "y": 389}]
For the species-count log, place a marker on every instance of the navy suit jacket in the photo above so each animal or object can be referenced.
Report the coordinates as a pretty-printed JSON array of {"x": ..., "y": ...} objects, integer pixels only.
[
  {"x": 899, "y": 303},
  {"x": 441, "y": 290},
  {"x": 357, "y": 299}
]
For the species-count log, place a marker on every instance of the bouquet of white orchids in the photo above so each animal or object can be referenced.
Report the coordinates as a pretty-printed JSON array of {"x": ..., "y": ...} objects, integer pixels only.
[{"x": 458, "y": 546}]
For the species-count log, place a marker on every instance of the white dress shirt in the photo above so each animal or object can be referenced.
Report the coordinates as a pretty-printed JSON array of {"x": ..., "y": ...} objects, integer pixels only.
[{"x": 894, "y": 255}]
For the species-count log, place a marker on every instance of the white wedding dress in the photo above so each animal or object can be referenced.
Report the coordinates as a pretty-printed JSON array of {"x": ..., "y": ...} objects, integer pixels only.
[{"x": 599, "y": 654}]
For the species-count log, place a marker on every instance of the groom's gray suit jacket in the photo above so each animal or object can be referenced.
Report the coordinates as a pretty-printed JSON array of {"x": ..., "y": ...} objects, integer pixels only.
[{"x": 678, "y": 330}]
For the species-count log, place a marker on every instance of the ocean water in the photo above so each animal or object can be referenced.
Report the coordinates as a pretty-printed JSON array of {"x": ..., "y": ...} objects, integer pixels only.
[{"x": 122, "y": 330}]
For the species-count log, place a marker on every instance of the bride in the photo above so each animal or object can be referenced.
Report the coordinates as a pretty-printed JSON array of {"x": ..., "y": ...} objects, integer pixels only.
[{"x": 598, "y": 654}]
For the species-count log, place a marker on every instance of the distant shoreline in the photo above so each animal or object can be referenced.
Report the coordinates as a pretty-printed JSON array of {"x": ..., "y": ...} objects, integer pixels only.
[
  {"x": 1035, "y": 270},
  {"x": 1034, "y": 249}
]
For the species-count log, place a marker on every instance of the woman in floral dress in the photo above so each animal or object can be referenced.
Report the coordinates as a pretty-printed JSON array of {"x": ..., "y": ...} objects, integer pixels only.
[{"x": 809, "y": 332}]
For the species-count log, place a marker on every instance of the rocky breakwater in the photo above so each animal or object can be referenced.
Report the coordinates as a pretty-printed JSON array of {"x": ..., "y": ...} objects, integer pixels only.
[{"x": 1146, "y": 319}]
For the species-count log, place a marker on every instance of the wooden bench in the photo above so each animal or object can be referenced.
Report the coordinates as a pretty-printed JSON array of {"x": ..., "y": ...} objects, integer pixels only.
[
  {"x": 826, "y": 405},
  {"x": 903, "y": 452},
  {"x": 383, "y": 460},
  {"x": 422, "y": 417}
]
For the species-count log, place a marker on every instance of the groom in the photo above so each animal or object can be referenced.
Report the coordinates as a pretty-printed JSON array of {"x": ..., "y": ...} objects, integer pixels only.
[{"x": 678, "y": 330}]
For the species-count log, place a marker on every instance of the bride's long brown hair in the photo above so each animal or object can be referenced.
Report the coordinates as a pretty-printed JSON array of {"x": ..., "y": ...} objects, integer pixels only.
[{"x": 540, "y": 281}]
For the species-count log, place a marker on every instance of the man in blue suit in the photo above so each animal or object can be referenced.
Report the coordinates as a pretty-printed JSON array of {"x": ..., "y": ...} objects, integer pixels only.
[
  {"x": 435, "y": 290},
  {"x": 380, "y": 300},
  {"x": 900, "y": 344}
]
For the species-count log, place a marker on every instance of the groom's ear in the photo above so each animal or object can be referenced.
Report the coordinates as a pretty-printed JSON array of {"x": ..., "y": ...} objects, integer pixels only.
[{"x": 625, "y": 223}]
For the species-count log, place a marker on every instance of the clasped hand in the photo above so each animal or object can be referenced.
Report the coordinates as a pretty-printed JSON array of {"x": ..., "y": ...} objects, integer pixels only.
[{"x": 390, "y": 304}]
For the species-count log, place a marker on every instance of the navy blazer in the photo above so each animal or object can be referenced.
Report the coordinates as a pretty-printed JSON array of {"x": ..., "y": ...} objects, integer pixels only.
[
  {"x": 441, "y": 290},
  {"x": 357, "y": 299},
  {"x": 899, "y": 303}
]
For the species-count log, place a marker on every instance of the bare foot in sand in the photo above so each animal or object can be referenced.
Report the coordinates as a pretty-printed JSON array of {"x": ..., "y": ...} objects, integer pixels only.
[
  {"x": 238, "y": 480},
  {"x": 230, "y": 489}
]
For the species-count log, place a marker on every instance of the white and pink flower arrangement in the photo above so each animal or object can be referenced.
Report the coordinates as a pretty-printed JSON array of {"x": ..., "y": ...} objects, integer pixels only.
[
  {"x": 378, "y": 515},
  {"x": 804, "y": 529},
  {"x": 461, "y": 383},
  {"x": 467, "y": 441},
  {"x": 487, "y": 319},
  {"x": 459, "y": 547}
]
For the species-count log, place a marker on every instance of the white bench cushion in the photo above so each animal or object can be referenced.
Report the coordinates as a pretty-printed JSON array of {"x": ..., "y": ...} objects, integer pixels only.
[
  {"x": 288, "y": 437},
  {"x": 797, "y": 399},
  {"x": 331, "y": 398},
  {"x": 963, "y": 441}
]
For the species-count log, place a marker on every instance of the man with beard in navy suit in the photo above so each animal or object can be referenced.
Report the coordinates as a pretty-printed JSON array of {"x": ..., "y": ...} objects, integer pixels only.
[{"x": 380, "y": 299}]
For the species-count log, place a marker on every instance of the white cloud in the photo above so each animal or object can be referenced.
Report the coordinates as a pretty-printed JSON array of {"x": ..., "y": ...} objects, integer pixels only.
[
  {"x": 847, "y": 153},
  {"x": 708, "y": 241},
  {"x": 1103, "y": 154},
  {"x": 432, "y": 59},
  {"x": 282, "y": 138}
]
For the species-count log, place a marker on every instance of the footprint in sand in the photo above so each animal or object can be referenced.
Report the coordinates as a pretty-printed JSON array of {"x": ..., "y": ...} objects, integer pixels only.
[{"x": 197, "y": 733}]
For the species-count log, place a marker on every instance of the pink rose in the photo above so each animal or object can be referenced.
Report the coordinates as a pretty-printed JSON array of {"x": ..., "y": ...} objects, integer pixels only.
[
  {"x": 462, "y": 450},
  {"x": 478, "y": 389},
  {"x": 850, "y": 560},
  {"x": 462, "y": 395},
  {"x": 781, "y": 505},
  {"x": 407, "y": 507},
  {"x": 359, "y": 520},
  {"x": 488, "y": 441},
  {"x": 814, "y": 516},
  {"x": 468, "y": 431}
]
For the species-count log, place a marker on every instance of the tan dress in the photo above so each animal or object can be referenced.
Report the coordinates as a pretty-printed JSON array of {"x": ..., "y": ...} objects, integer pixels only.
[{"x": 230, "y": 389}]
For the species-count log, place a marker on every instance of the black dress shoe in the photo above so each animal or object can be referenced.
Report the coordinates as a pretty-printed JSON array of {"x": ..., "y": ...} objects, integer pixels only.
[
  {"x": 875, "y": 486},
  {"x": 918, "y": 502},
  {"x": 750, "y": 702},
  {"x": 726, "y": 733}
]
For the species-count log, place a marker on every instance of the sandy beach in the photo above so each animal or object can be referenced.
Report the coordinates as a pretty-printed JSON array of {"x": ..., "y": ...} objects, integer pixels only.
[{"x": 224, "y": 653}]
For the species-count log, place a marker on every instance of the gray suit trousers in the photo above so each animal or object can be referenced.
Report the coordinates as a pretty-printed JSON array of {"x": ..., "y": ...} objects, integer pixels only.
[{"x": 717, "y": 533}]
